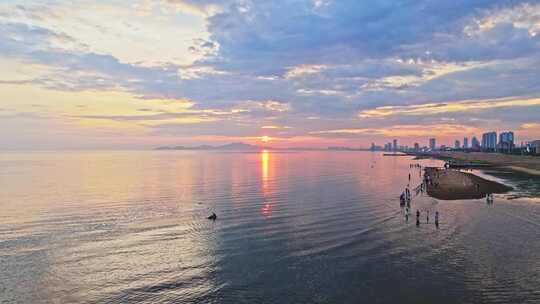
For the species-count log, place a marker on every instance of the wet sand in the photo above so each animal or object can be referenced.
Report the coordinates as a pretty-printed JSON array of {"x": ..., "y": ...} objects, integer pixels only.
[
  {"x": 524, "y": 164},
  {"x": 453, "y": 185}
]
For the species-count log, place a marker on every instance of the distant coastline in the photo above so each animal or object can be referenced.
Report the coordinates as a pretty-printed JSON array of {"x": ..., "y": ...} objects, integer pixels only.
[{"x": 248, "y": 147}]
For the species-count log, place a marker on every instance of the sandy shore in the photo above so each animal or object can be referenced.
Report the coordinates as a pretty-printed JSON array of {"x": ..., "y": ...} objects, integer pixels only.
[
  {"x": 454, "y": 184},
  {"x": 524, "y": 164}
]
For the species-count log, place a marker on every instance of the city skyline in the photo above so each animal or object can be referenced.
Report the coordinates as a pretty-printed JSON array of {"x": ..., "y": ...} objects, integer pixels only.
[
  {"x": 503, "y": 140},
  {"x": 311, "y": 73}
]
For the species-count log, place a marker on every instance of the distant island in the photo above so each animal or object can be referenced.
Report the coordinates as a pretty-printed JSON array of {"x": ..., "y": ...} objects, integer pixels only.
[{"x": 248, "y": 147}]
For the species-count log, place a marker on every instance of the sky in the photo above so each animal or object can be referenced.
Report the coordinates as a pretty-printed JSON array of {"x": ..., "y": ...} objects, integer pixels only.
[{"x": 294, "y": 73}]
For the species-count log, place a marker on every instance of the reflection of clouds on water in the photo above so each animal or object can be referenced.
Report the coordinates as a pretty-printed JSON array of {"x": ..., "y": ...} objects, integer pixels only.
[{"x": 324, "y": 224}]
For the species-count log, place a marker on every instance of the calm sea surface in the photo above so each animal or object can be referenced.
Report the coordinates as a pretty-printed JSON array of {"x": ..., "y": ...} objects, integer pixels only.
[{"x": 306, "y": 227}]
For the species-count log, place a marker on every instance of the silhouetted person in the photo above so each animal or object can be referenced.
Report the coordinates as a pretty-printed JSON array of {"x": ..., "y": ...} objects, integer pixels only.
[
  {"x": 417, "y": 217},
  {"x": 427, "y": 216},
  {"x": 489, "y": 198},
  {"x": 437, "y": 219},
  {"x": 212, "y": 217},
  {"x": 409, "y": 176}
]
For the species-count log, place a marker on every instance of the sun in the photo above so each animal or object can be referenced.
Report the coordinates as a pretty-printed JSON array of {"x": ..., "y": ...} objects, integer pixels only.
[{"x": 265, "y": 138}]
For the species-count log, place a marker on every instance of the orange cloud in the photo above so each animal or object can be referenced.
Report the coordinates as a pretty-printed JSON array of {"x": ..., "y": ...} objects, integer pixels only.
[
  {"x": 275, "y": 127},
  {"x": 530, "y": 131},
  {"x": 533, "y": 125}
]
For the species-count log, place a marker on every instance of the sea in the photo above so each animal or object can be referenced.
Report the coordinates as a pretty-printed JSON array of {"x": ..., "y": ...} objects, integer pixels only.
[{"x": 291, "y": 227}]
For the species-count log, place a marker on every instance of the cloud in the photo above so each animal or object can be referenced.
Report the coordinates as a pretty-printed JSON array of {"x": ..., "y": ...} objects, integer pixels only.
[
  {"x": 531, "y": 125},
  {"x": 267, "y": 105},
  {"x": 444, "y": 108},
  {"x": 523, "y": 16},
  {"x": 275, "y": 127},
  {"x": 303, "y": 69},
  {"x": 427, "y": 71},
  {"x": 319, "y": 92},
  {"x": 409, "y": 130},
  {"x": 198, "y": 72},
  {"x": 202, "y": 8},
  {"x": 250, "y": 64}
]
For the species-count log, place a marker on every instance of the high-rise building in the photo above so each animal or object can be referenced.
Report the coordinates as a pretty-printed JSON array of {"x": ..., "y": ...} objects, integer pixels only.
[
  {"x": 457, "y": 144},
  {"x": 536, "y": 146},
  {"x": 506, "y": 141},
  {"x": 475, "y": 144},
  {"x": 416, "y": 147},
  {"x": 465, "y": 143},
  {"x": 432, "y": 143},
  {"x": 395, "y": 145},
  {"x": 489, "y": 141}
]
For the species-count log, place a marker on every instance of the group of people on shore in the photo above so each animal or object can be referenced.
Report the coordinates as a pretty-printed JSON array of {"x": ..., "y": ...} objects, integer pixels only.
[
  {"x": 418, "y": 166},
  {"x": 405, "y": 198},
  {"x": 407, "y": 212},
  {"x": 427, "y": 218}
]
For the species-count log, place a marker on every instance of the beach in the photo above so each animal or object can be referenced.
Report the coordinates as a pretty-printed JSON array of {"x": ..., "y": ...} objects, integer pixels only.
[
  {"x": 519, "y": 163},
  {"x": 448, "y": 184}
]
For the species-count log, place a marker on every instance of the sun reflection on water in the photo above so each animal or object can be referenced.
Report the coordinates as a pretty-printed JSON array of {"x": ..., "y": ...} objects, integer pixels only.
[{"x": 266, "y": 210}]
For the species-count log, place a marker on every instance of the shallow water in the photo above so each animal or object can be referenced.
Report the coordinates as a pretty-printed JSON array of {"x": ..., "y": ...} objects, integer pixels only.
[{"x": 306, "y": 227}]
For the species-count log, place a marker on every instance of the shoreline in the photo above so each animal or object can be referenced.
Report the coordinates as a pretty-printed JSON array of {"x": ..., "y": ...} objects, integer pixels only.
[
  {"x": 523, "y": 170},
  {"x": 529, "y": 165}
]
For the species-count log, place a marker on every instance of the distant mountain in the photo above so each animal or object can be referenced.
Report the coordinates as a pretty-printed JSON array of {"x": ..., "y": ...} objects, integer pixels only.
[
  {"x": 239, "y": 146},
  {"x": 247, "y": 147},
  {"x": 230, "y": 147}
]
